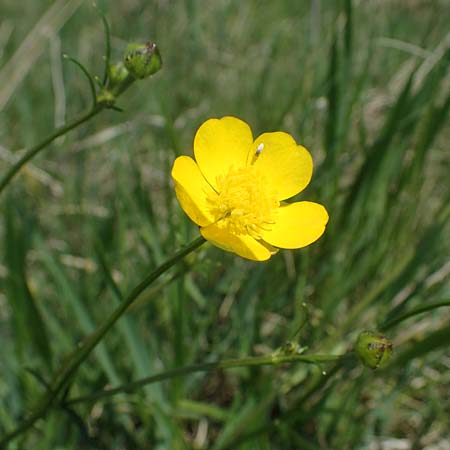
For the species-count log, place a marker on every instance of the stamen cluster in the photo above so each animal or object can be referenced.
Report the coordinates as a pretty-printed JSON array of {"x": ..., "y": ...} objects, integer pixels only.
[{"x": 245, "y": 205}]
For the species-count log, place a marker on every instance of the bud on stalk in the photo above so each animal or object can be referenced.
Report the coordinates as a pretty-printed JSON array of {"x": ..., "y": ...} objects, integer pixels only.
[
  {"x": 142, "y": 60},
  {"x": 373, "y": 349}
]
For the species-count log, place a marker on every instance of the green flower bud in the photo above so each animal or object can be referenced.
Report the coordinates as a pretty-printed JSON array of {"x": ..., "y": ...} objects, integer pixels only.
[
  {"x": 118, "y": 73},
  {"x": 374, "y": 349},
  {"x": 290, "y": 348},
  {"x": 119, "y": 80},
  {"x": 142, "y": 60},
  {"x": 106, "y": 98}
]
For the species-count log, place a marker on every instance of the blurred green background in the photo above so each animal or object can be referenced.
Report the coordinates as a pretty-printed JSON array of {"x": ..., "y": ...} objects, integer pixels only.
[{"x": 365, "y": 86}]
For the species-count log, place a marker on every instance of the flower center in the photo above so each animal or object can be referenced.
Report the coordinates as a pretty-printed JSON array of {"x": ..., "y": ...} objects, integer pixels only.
[{"x": 246, "y": 205}]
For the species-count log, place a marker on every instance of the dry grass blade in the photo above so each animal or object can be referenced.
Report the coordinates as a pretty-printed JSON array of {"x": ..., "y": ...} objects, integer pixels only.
[{"x": 15, "y": 70}]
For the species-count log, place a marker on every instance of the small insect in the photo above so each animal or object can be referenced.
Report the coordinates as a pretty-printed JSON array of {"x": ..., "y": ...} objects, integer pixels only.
[{"x": 259, "y": 149}]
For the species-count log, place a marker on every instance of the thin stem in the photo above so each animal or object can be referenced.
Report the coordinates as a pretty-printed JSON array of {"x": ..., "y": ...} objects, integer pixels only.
[
  {"x": 107, "y": 43},
  {"x": 87, "y": 75},
  {"x": 414, "y": 312},
  {"x": 91, "y": 342},
  {"x": 304, "y": 321},
  {"x": 64, "y": 376},
  {"x": 289, "y": 414},
  {"x": 273, "y": 359},
  {"x": 37, "y": 148},
  {"x": 41, "y": 411}
]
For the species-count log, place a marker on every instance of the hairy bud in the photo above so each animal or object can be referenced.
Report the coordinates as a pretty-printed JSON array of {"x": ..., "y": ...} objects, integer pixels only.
[
  {"x": 142, "y": 60},
  {"x": 117, "y": 73},
  {"x": 373, "y": 349}
]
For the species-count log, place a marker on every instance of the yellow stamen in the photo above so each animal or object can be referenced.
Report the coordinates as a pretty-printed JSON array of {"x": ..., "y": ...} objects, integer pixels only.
[{"x": 245, "y": 204}]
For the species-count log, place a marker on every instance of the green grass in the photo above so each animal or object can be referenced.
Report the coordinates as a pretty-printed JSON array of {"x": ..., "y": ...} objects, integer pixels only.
[{"x": 364, "y": 86}]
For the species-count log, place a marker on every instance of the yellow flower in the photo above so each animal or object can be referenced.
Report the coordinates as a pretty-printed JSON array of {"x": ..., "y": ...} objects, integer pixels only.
[{"x": 235, "y": 190}]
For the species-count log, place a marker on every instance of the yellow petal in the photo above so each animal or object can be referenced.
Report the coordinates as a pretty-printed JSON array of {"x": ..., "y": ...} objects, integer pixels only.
[
  {"x": 243, "y": 245},
  {"x": 287, "y": 167},
  {"x": 297, "y": 225},
  {"x": 220, "y": 144},
  {"x": 193, "y": 191}
]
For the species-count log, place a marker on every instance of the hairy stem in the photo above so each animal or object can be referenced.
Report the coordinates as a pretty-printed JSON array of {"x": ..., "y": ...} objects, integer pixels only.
[
  {"x": 33, "y": 151},
  {"x": 65, "y": 374},
  {"x": 273, "y": 359}
]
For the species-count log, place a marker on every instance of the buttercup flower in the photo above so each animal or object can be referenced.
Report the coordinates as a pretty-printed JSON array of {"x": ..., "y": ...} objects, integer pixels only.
[{"x": 235, "y": 190}]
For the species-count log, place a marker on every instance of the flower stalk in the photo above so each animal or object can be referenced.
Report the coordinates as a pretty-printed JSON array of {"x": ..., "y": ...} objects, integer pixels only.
[
  {"x": 269, "y": 360},
  {"x": 33, "y": 151},
  {"x": 140, "y": 61},
  {"x": 64, "y": 376}
]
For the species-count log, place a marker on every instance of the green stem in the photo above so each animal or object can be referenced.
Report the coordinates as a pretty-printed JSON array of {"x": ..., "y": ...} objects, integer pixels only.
[
  {"x": 89, "y": 344},
  {"x": 414, "y": 312},
  {"x": 62, "y": 379},
  {"x": 289, "y": 414},
  {"x": 273, "y": 359},
  {"x": 26, "y": 424},
  {"x": 37, "y": 148}
]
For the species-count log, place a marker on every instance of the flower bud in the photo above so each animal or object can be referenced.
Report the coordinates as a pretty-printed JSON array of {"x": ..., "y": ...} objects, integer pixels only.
[
  {"x": 142, "y": 60},
  {"x": 117, "y": 73},
  {"x": 290, "y": 348},
  {"x": 119, "y": 81},
  {"x": 373, "y": 349}
]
